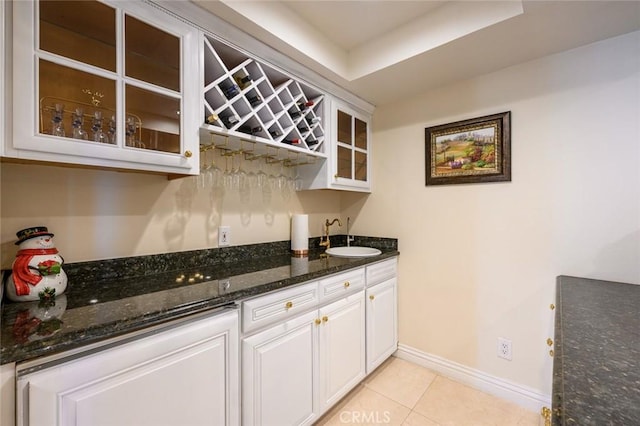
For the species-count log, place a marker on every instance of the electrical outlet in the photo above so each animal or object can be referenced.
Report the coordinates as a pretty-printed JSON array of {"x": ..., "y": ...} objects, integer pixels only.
[
  {"x": 224, "y": 236},
  {"x": 504, "y": 348}
]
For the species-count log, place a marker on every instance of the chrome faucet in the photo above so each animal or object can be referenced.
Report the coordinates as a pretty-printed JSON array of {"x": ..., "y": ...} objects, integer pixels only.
[
  {"x": 350, "y": 238},
  {"x": 327, "y": 242}
]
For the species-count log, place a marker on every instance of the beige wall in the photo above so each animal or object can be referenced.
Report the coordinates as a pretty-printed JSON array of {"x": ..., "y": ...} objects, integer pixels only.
[
  {"x": 479, "y": 262},
  {"x": 106, "y": 214}
]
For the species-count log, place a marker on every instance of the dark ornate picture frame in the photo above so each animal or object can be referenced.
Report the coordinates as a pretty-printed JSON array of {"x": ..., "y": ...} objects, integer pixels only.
[{"x": 469, "y": 151}]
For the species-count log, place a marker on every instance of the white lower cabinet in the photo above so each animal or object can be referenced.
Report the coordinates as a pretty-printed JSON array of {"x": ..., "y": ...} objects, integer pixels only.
[
  {"x": 294, "y": 371},
  {"x": 186, "y": 375},
  {"x": 342, "y": 348},
  {"x": 382, "y": 334},
  {"x": 280, "y": 374}
]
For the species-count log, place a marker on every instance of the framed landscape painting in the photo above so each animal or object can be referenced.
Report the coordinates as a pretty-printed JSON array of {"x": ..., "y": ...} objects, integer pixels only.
[{"x": 469, "y": 151}]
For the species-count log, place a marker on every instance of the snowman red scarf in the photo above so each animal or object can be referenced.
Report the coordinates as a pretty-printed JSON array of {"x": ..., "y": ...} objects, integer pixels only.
[{"x": 22, "y": 275}]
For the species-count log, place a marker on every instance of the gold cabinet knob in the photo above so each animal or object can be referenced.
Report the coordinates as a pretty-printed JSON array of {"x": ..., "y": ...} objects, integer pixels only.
[
  {"x": 552, "y": 306},
  {"x": 317, "y": 321},
  {"x": 551, "y": 353},
  {"x": 549, "y": 341},
  {"x": 325, "y": 318},
  {"x": 371, "y": 297},
  {"x": 347, "y": 284},
  {"x": 188, "y": 154},
  {"x": 288, "y": 305}
]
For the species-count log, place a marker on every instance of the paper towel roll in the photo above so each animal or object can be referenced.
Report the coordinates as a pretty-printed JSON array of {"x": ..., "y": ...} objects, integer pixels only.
[{"x": 300, "y": 234}]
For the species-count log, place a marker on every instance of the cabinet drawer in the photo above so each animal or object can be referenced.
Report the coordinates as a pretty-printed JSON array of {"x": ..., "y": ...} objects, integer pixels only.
[
  {"x": 341, "y": 284},
  {"x": 379, "y": 272},
  {"x": 278, "y": 306}
]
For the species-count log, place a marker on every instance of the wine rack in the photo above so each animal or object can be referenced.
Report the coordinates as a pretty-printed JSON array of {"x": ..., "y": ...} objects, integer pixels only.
[{"x": 254, "y": 101}]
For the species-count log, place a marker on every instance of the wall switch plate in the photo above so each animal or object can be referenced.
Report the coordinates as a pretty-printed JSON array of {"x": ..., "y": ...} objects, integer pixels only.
[
  {"x": 224, "y": 236},
  {"x": 504, "y": 348}
]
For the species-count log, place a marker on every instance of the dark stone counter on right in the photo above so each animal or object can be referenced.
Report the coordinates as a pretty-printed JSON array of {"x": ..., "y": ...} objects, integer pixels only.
[{"x": 596, "y": 367}]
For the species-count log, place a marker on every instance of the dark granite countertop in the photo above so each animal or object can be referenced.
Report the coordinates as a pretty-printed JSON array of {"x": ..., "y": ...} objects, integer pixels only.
[
  {"x": 101, "y": 302},
  {"x": 596, "y": 366}
]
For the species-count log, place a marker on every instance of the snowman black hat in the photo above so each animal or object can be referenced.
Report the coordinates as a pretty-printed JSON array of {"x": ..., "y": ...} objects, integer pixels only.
[{"x": 34, "y": 231}]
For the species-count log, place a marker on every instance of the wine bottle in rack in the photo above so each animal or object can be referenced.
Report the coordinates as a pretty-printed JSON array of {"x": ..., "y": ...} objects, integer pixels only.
[
  {"x": 212, "y": 118},
  {"x": 312, "y": 142},
  {"x": 304, "y": 105},
  {"x": 293, "y": 141},
  {"x": 232, "y": 91},
  {"x": 255, "y": 100},
  {"x": 275, "y": 133},
  {"x": 250, "y": 130},
  {"x": 294, "y": 114},
  {"x": 230, "y": 120},
  {"x": 314, "y": 120},
  {"x": 242, "y": 79}
]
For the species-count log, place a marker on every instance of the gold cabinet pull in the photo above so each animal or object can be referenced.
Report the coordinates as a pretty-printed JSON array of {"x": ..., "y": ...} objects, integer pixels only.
[
  {"x": 549, "y": 342},
  {"x": 552, "y": 306},
  {"x": 347, "y": 284},
  {"x": 188, "y": 154},
  {"x": 546, "y": 415},
  {"x": 371, "y": 297},
  {"x": 325, "y": 318},
  {"x": 288, "y": 305},
  {"x": 317, "y": 321},
  {"x": 551, "y": 353}
]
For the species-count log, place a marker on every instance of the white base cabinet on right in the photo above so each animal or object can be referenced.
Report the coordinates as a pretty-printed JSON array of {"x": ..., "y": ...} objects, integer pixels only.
[
  {"x": 381, "y": 312},
  {"x": 306, "y": 347}
]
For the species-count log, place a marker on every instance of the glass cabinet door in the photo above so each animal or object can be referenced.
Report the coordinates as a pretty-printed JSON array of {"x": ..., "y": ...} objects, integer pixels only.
[
  {"x": 345, "y": 145},
  {"x": 352, "y": 147},
  {"x": 91, "y": 67}
]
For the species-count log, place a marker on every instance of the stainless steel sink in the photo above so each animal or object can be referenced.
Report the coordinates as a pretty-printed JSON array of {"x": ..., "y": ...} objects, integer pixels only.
[{"x": 353, "y": 251}]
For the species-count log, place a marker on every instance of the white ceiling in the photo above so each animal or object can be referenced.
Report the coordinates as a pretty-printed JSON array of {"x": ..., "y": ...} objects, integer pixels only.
[{"x": 387, "y": 50}]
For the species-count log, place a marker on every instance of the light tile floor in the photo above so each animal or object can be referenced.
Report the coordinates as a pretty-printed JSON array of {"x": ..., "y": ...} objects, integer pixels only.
[{"x": 405, "y": 394}]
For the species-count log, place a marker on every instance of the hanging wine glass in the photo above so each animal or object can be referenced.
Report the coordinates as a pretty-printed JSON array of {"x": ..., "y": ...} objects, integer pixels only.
[
  {"x": 261, "y": 177},
  {"x": 227, "y": 176},
  {"x": 202, "y": 177},
  {"x": 77, "y": 119},
  {"x": 240, "y": 176},
  {"x": 57, "y": 125},
  {"x": 215, "y": 172},
  {"x": 98, "y": 134},
  {"x": 297, "y": 180}
]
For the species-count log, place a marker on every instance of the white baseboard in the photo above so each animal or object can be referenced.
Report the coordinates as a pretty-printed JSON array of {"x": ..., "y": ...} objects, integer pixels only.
[{"x": 518, "y": 394}]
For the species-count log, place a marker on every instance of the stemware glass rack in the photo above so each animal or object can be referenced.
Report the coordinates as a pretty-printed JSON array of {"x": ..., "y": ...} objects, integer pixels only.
[{"x": 253, "y": 101}]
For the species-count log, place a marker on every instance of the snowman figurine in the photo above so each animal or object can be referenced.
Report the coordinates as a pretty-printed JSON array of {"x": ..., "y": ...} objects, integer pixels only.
[{"x": 37, "y": 271}]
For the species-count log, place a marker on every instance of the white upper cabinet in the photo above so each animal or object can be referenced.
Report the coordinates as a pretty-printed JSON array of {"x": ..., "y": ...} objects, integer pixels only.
[
  {"x": 349, "y": 164},
  {"x": 104, "y": 84}
]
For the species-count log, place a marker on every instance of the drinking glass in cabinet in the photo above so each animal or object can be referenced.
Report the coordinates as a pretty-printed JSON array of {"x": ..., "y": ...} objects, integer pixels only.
[
  {"x": 98, "y": 134},
  {"x": 77, "y": 122},
  {"x": 57, "y": 125}
]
